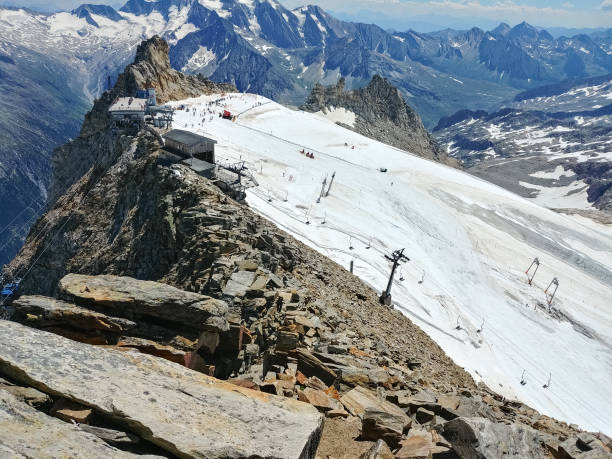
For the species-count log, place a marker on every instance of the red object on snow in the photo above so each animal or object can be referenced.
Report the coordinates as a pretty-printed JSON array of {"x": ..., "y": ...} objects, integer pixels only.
[{"x": 227, "y": 115}]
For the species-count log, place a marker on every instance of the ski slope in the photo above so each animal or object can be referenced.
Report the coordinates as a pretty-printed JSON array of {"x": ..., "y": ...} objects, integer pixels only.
[{"x": 469, "y": 243}]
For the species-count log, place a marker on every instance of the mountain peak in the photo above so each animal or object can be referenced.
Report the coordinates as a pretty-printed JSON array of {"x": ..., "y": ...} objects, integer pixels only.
[
  {"x": 381, "y": 113},
  {"x": 502, "y": 29},
  {"x": 87, "y": 9}
]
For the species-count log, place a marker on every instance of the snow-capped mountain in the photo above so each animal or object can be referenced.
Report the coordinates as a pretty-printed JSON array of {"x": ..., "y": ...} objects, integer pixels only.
[
  {"x": 469, "y": 244},
  {"x": 262, "y": 47},
  {"x": 552, "y": 144}
]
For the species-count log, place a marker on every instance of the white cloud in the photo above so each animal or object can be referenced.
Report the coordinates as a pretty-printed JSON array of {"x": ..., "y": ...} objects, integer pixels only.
[{"x": 503, "y": 10}]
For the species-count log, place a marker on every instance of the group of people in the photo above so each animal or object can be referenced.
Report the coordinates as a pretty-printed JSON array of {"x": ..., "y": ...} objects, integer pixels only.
[{"x": 307, "y": 153}]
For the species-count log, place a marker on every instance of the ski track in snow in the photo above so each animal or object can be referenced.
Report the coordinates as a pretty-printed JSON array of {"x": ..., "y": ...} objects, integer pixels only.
[{"x": 472, "y": 240}]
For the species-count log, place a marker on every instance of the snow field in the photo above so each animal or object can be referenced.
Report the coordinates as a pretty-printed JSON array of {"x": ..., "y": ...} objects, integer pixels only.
[{"x": 468, "y": 240}]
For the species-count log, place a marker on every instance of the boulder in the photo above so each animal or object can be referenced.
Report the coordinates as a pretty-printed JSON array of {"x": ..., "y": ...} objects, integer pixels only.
[
  {"x": 381, "y": 425},
  {"x": 418, "y": 445},
  {"x": 239, "y": 283},
  {"x": 183, "y": 412},
  {"x": 360, "y": 399},
  {"x": 585, "y": 446},
  {"x": 479, "y": 437},
  {"x": 26, "y": 432},
  {"x": 136, "y": 299},
  {"x": 42, "y": 311},
  {"x": 318, "y": 399}
]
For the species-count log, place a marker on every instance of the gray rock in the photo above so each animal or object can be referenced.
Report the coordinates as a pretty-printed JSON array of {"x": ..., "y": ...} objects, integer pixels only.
[
  {"x": 29, "y": 395},
  {"x": 239, "y": 283},
  {"x": 585, "y": 446},
  {"x": 183, "y": 412},
  {"x": 28, "y": 433},
  {"x": 481, "y": 438},
  {"x": 137, "y": 298},
  {"x": 50, "y": 311},
  {"x": 110, "y": 436}
]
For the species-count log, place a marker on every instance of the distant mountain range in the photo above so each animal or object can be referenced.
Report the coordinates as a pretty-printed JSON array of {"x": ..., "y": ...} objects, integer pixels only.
[
  {"x": 552, "y": 144},
  {"x": 263, "y": 47},
  {"x": 50, "y": 61}
]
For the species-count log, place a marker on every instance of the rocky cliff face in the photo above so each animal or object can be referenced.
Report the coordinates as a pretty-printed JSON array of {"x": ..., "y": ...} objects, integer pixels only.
[
  {"x": 155, "y": 264},
  {"x": 381, "y": 114}
]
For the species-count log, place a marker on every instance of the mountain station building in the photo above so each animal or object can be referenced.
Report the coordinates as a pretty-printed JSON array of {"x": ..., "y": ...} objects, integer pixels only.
[
  {"x": 190, "y": 145},
  {"x": 128, "y": 109}
]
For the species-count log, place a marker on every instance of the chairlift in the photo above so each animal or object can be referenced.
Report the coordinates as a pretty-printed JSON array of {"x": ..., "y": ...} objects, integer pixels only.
[
  {"x": 401, "y": 278},
  {"x": 523, "y": 382}
]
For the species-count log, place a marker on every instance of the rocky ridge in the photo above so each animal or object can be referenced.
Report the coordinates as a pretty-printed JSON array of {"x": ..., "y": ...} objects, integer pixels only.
[
  {"x": 151, "y": 69},
  {"x": 381, "y": 114},
  {"x": 237, "y": 299}
]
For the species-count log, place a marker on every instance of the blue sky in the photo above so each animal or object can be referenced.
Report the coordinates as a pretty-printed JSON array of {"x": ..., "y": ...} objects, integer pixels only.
[{"x": 403, "y": 14}]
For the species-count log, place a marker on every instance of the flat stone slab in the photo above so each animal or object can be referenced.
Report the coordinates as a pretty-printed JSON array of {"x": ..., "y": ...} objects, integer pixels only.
[
  {"x": 136, "y": 298},
  {"x": 47, "y": 311},
  {"x": 239, "y": 283},
  {"x": 182, "y": 411},
  {"x": 359, "y": 400},
  {"x": 26, "y": 432}
]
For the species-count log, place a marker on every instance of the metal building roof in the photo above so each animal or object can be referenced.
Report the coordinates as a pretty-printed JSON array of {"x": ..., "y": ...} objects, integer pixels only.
[
  {"x": 186, "y": 137},
  {"x": 198, "y": 165},
  {"x": 128, "y": 104}
]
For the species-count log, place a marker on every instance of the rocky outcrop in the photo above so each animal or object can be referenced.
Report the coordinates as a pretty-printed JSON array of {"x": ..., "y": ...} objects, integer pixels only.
[
  {"x": 381, "y": 114},
  {"x": 181, "y": 411},
  {"x": 138, "y": 299},
  {"x": 479, "y": 437},
  {"x": 97, "y": 145}
]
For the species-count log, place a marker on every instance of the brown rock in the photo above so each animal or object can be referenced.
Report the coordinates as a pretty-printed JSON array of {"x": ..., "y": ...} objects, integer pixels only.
[
  {"x": 318, "y": 399},
  {"x": 316, "y": 383},
  {"x": 152, "y": 348},
  {"x": 68, "y": 411},
  {"x": 312, "y": 366},
  {"x": 360, "y": 399},
  {"x": 247, "y": 384},
  {"x": 418, "y": 445},
  {"x": 337, "y": 414}
]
